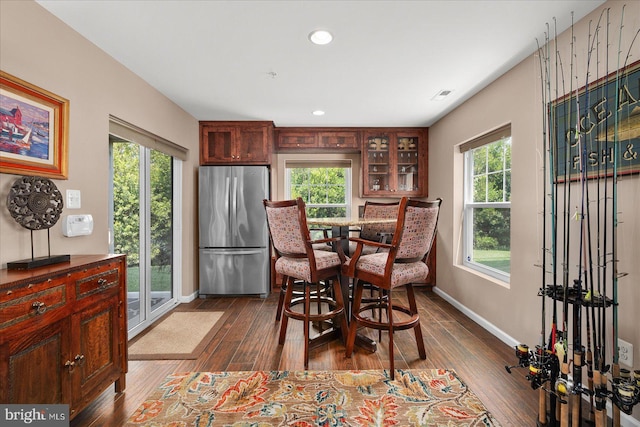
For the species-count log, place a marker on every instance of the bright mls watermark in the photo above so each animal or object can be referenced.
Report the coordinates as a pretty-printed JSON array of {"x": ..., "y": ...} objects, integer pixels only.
[{"x": 34, "y": 415}]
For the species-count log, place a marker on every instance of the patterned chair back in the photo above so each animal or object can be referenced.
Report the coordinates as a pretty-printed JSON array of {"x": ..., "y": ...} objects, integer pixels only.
[
  {"x": 377, "y": 211},
  {"x": 287, "y": 226},
  {"x": 416, "y": 229}
]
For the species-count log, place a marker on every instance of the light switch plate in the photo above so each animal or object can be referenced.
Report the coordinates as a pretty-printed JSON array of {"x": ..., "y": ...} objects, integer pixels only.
[{"x": 73, "y": 199}]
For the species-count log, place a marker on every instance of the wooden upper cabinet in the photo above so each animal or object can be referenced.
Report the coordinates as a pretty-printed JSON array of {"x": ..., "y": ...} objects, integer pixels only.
[
  {"x": 394, "y": 162},
  {"x": 248, "y": 143},
  {"x": 339, "y": 140},
  {"x": 295, "y": 139},
  {"x": 318, "y": 139}
]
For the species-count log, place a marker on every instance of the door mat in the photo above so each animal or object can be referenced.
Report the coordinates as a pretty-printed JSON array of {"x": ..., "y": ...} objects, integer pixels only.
[{"x": 181, "y": 335}]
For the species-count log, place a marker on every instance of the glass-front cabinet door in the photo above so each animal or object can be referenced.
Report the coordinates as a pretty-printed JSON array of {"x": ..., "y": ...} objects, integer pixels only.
[
  {"x": 394, "y": 163},
  {"x": 377, "y": 164}
]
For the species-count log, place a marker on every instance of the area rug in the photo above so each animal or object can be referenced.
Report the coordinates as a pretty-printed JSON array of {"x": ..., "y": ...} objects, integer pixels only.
[
  {"x": 181, "y": 335},
  {"x": 312, "y": 398}
]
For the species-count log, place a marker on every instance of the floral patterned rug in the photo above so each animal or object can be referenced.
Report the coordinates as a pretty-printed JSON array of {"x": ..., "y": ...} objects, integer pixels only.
[{"x": 312, "y": 398}]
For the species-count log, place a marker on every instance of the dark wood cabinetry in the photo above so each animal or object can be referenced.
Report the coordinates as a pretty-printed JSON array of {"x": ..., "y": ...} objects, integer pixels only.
[
  {"x": 394, "y": 162},
  {"x": 248, "y": 143},
  {"x": 318, "y": 139},
  {"x": 63, "y": 331}
]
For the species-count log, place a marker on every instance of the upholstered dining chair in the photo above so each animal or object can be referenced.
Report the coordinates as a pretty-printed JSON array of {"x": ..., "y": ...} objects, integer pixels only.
[
  {"x": 298, "y": 262},
  {"x": 380, "y": 232},
  {"x": 402, "y": 263}
]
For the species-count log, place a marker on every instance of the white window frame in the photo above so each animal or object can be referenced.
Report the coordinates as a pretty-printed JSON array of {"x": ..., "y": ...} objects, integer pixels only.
[
  {"x": 469, "y": 206},
  {"x": 347, "y": 165}
]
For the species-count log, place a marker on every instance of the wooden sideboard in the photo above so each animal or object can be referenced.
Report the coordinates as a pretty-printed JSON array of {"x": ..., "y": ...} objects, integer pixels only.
[{"x": 63, "y": 331}]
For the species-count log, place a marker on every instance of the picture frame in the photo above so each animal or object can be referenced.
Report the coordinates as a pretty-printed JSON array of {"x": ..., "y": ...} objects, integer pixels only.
[
  {"x": 596, "y": 135},
  {"x": 34, "y": 138}
]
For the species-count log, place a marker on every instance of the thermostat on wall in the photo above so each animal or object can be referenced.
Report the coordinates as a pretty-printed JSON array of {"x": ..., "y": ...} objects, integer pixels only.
[{"x": 77, "y": 225}]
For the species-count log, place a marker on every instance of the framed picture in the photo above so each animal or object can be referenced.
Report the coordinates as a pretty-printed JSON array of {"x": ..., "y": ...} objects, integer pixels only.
[
  {"x": 34, "y": 139},
  {"x": 602, "y": 126}
]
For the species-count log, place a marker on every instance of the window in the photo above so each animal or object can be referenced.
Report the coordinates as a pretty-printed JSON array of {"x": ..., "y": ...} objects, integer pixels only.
[
  {"x": 325, "y": 187},
  {"x": 487, "y": 204},
  {"x": 144, "y": 219}
]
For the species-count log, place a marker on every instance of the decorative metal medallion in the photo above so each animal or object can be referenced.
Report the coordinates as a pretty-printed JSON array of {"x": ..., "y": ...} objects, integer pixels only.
[{"x": 35, "y": 202}]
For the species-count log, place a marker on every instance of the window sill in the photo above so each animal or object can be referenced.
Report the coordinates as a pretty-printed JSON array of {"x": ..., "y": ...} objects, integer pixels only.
[{"x": 484, "y": 276}]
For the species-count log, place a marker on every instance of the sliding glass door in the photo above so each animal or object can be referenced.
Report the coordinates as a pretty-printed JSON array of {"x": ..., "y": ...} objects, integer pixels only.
[{"x": 142, "y": 228}]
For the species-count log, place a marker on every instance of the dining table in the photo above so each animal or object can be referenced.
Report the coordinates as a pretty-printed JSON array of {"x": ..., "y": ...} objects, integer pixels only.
[{"x": 342, "y": 227}]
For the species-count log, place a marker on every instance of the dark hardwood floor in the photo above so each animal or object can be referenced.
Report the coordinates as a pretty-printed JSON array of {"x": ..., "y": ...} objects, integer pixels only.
[{"x": 248, "y": 340}]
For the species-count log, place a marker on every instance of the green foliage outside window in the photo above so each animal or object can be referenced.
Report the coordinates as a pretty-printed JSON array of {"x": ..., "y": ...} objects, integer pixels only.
[
  {"x": 126, "y": 204},
  {"x": 323, "y": 187},
  {"x": 489, "y": 209},
  {"x": 492, "y": 183},
  {"x": 126, "y": 201}
]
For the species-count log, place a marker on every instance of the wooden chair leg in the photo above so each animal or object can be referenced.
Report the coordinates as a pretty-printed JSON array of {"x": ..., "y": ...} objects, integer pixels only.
[
  {"x": 380, "y": 300},
  {"x": 392, "y": 369},
  {"x": 418, "y": 330},
  {"x": 286, "y": 306},
  {"x": 353, "y": 327},
  {"x": 337, "y": 292},
  {"x": 283, "y": 290},
  {"x": 307, "y": 311}
]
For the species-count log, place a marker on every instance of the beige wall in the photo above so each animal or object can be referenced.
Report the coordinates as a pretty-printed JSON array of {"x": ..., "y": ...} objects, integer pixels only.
[
  {"x": 38, "y": 48},
  {"x": 516, "y": 98}
]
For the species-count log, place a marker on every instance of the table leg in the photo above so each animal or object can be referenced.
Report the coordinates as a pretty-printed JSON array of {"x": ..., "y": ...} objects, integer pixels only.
[{"x": 361, "y": 340}]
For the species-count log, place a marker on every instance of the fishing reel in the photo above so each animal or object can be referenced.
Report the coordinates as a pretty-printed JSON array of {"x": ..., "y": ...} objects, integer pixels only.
[
  {"x": 626, "y": 390},
  {"x": 563, "y": 387},
  {"x": 566, "y": 386},
  {"x": 522, "y": 353},
  {"x": 541, "y": 364}
]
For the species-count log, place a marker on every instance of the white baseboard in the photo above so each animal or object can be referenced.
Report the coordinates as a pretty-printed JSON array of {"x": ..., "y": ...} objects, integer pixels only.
[
  {"x": 498, "y": 333},
  {"x": 188, "y": 298},
  {"x": 625, "y": 420}
]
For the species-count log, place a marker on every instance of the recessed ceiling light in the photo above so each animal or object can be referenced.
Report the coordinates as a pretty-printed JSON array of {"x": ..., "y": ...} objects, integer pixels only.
[
  {"x": 441, "y": 95},
  {"x": 320, "y": 37},
  {"x": 318, "y": 113}
]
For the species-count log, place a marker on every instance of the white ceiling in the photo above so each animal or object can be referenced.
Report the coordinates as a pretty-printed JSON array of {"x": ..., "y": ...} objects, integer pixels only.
[{"x": 251, "y": 60}]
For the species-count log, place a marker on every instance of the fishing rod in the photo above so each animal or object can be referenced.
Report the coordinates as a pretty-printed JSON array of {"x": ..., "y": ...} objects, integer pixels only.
[
  {"x": 561, "y": 346},
  {"x": 590, "y": 296},
  {"x": 551, "y": 371},
  {"x": 553, "y": 171},
  {"x": 586, "y": 220},
  {"x": 614, "y": 237},
  {"x": 600, "y": 379}
]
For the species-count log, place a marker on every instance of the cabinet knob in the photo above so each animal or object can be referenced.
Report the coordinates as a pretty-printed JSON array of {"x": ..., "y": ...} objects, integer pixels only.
[
  {"x": 79, "y": 359},
  {"x": 39, "y": 306},
  {"x": 102, "y": 282}
]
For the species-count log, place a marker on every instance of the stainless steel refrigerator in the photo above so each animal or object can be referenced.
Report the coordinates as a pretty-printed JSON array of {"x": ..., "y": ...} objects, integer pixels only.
[{"x": 234, "y": 252}]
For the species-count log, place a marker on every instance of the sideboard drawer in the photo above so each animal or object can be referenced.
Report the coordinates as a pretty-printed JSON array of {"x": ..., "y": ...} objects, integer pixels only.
[
  {"x": 38, "y": 302},
  {"x": 105, "y": 278}
]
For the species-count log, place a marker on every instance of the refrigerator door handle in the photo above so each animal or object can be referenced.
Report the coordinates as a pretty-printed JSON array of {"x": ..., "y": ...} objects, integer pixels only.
[
  {"x": 234, "y": 218},
  {"x": 234, "y": 252},
  {"x": 227, "y": 206}
]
